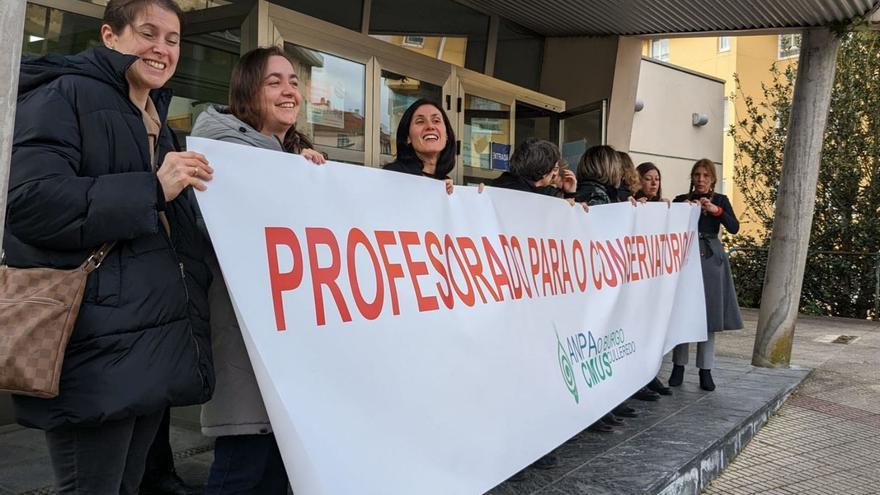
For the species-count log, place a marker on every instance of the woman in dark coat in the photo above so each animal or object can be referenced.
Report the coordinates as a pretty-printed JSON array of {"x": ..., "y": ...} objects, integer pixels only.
[
  {"x": 425, "y": 143},
  {"x": 264, "y": 102},
  {"x": 651, "y": 181},
  {"x": 534, "y": 168},
  {"x": 89, "y": 138},
  {"x": 722, "y": 308},
  {"x": 599, "y": 175}
]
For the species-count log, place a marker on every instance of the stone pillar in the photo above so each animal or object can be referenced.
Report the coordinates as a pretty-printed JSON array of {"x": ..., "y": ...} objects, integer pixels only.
[
  {"x": 796, "y": 199},
  {"x": 11, "y": 35}
]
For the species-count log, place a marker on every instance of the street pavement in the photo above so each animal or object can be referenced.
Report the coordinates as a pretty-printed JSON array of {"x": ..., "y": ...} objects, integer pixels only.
[{"x": 825, "y": 440}]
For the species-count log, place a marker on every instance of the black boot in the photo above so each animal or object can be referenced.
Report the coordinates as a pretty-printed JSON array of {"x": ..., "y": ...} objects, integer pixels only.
[
  {"x": 612, "y": 420},
  {"x": 646, "y": 395},
  {"x": 677, "y": 375},
  {"x": 657, "y": 386},
  {"x": 625, "y": 411},
  {"x": 706, "y": 382}
]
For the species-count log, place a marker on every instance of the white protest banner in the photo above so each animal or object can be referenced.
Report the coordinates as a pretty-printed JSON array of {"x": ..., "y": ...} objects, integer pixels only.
[{"x": 406, "y": 341}]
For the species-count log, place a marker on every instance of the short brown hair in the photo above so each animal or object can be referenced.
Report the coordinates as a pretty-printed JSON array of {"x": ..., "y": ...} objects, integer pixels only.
[
  {"x": 245, "y": 86},
  {"x": 121, "y": 13},
  {"x": 600, "y": 164}
]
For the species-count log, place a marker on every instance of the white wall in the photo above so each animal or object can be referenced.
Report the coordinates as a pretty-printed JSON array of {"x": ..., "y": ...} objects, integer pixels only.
[{"x": 662, "y": 131}]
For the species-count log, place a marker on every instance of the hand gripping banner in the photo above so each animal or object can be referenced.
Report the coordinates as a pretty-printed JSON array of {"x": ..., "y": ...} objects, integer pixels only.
[{"x": 407, "y": 341}]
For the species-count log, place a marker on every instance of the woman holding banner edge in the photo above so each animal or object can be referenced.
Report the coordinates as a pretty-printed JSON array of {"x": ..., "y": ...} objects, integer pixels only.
[
  {"x": 264, "y": 102},
  {"x": 722, "y": 307}
]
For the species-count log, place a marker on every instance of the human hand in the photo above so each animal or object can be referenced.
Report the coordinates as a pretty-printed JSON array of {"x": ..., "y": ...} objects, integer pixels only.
[
  {"x": 568, "y": 181},
  {"x": 313, "y": 156},
  {"x": 632, "y": 201},
  {"x": 481, "y": 188},
  {"x": 708, "y": 206},
  {"x": 450, "y": 185},
  {"x": 180, "y": 170}
]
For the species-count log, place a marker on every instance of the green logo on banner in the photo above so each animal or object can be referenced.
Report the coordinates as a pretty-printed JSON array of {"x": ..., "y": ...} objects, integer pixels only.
[{"x": 567, "y": 370}]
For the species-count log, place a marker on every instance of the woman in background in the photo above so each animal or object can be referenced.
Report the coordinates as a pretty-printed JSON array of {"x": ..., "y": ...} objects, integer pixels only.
[
  {"x": 722, "y": 307},
  {"x": 264, "y": 102},
  {"x": 425, "y": 143}
]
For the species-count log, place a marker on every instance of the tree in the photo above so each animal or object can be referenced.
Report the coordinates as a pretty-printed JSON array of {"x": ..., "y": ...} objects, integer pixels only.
[{"x": 840, "y": 278}]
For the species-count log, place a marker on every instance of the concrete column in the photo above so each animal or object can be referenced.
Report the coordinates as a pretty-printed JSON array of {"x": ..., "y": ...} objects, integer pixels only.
[
  {"x": 621, "y": 109},
  {"x": 796, "y": 199},
  {"x": 11, "y": 35}
]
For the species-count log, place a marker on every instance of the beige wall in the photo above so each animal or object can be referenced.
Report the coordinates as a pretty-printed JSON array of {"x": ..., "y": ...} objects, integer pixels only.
[{"x": 663, "y": 132}]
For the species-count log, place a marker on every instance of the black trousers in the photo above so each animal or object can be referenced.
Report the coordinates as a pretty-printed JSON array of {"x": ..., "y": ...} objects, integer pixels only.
[
  {"x": 160, "y": 459},
  {"x": 102, "y": 460}
]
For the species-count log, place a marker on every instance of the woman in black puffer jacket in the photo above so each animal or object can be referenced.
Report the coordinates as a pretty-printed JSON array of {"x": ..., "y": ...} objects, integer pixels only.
[{"x": 92, "y": 162}]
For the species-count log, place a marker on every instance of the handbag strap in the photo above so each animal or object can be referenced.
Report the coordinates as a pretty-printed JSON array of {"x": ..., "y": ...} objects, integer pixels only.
[{"x": 97, "y": 257}]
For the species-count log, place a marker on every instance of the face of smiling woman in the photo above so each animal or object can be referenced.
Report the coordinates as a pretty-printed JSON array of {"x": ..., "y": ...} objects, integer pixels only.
[
  {"x": 154, "y": 37},
  {"x": 427, "y": 133}
]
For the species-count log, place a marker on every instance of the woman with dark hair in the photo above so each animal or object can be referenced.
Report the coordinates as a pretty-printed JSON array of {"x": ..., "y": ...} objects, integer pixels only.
[
  {"x": 534, "y": 167},
  {"x": 722, "y": 308},
  {"x": 650, "y": 179},
  {"x": 264, "y": 102},
  {"x": 425, "y": 143},
  {"x": 93, "y": 162}
]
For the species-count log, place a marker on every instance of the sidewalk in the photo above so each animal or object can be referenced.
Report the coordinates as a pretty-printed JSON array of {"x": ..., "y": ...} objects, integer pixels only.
[{"x": 826, "y": 438}]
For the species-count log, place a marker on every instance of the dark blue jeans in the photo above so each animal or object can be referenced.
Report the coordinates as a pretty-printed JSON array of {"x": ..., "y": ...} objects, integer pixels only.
[{"x": 247, "y": 464}]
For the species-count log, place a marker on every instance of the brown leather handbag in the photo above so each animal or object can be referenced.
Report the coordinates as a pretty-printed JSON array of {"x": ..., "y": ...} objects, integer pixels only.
[{"x": 38, "y": 308}]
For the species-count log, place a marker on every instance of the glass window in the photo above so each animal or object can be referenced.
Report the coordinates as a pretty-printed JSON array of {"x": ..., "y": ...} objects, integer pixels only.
[
  {"x": 184, "y": 4},
  {"x": 438, "y": 18},
  {"x": 580, "y": 132},
  {"x": 396, "y": 94},
  {"x": 345, "y": 13},
  {"x": 724, "y": 43},
  {"x": 53, "y": 31},
  {"x": 486, "y": 136},
  {"x": 789, "y": 45},
  {"x": 533, "y": 122},
  {"x": 333, "y": 96},
  {"x": 660, "y": 49},
  {"x": 450, "y": 49}
]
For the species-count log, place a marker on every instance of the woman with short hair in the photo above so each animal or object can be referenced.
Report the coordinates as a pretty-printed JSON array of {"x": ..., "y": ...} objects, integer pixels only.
[
  {"x": 94, "y": 162},
  {"x": 264, "y": 102},
  {"x": 722, "y": 307},
  {"x": 599, "y": 174}
]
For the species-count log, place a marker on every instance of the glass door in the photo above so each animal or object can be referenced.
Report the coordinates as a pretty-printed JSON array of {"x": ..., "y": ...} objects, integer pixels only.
[{"x": 486, "y": 134}]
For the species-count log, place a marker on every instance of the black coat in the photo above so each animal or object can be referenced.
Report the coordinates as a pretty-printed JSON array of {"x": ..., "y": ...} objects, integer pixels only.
[
  {"x": 710, "y": 224},
  {"x": 594, "y": 193},
  {"x": 81, "y": 176},
  {"x": 411, "y": 167}
]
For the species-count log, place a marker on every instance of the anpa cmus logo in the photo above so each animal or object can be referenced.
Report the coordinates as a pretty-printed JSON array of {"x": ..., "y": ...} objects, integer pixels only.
[{"x": 586, "y": 358}]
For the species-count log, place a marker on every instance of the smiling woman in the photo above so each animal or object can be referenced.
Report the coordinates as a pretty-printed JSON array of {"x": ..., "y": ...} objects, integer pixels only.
[
  {"x": 101, "y": 168},
  {"x": 264, "y": 103},
  {"x": 425, "y": 143}
]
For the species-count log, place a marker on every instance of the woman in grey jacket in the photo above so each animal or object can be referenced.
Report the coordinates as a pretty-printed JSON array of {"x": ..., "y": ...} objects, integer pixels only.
[{"x": 264, "y": 101}]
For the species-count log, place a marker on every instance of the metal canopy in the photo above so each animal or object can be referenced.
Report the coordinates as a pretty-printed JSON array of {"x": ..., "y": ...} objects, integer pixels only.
[{"x": 657, "y": 17}]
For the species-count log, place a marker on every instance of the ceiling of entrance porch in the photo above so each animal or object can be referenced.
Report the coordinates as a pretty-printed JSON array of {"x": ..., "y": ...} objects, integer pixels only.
[{"x": 656, "y": 17}]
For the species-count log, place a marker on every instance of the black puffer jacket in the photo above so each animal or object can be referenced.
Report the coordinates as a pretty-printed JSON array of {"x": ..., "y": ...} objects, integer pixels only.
[
  {"x": 594, "y": 193},
  {"x": 81, "y": 176}
]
